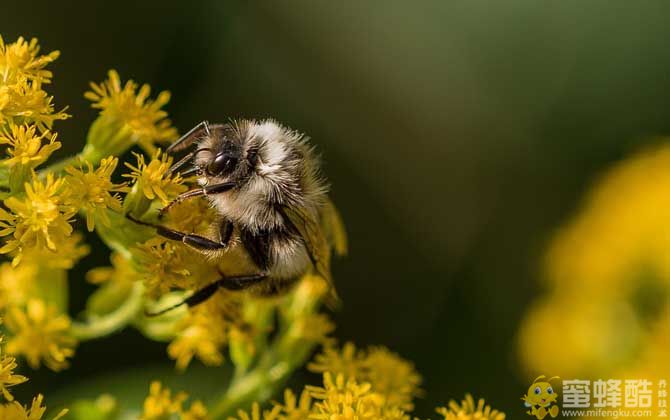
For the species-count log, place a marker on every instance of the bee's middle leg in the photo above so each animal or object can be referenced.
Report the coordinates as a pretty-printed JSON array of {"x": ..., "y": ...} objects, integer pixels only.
[{"x": 196, "y": 241}]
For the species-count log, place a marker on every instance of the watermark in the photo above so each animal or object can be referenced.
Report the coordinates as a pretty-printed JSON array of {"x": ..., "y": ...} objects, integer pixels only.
[{"x": 607, "y": 398}]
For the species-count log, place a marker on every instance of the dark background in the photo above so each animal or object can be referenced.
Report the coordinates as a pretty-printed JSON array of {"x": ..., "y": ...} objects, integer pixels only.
[{"x": 456, "y": 137}]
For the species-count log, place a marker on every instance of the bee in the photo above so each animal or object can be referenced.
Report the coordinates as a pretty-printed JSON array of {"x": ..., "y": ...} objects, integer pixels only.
[{"x": 264, "y": 182}]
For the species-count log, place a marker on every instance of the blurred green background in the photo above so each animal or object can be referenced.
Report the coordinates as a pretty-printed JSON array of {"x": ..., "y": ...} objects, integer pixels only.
[{"x": 456, "y": 136}]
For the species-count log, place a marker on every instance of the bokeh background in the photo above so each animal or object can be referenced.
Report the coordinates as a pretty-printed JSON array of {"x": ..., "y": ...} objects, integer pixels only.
[{"x": 457, "y": 137}]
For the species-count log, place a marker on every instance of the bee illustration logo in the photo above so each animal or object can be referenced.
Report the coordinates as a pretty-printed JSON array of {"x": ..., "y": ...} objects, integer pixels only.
[{"x": 541, "y": 398}]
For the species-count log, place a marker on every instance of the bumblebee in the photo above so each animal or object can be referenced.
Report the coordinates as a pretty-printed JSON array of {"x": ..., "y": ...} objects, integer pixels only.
[{"x": 264, "y": 182}]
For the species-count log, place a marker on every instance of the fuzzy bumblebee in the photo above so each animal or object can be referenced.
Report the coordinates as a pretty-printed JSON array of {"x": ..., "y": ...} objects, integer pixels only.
[{"x": 264, "y": 182}]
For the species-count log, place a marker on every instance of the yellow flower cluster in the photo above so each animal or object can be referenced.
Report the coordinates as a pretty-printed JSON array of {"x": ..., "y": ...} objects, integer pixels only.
[
  {"x": 22, "y": 74},
  {"x": 162, "y": 405},
  {"x": 131, "y": 116},
  {"x": 11, "y": 409},
  {"x": 153, "y": 180},
  {"x": 90, "y": 190},
  {"x": 467, "y": 410},
  {"x": 608, "y": 276},
  {"x": 374, "y": 384},
  {"x": 390, "y": 376}
]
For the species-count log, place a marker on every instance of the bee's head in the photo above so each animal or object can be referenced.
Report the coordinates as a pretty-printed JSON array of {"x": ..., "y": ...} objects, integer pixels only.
[{"x": 238, "y": 150}]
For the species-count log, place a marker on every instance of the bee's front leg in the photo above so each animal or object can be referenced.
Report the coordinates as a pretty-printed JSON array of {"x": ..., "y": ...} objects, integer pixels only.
[{"x": 210, "y": 189}]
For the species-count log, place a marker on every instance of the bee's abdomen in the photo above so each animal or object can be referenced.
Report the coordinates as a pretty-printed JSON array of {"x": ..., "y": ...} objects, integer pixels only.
[{"x": 280, "y": 253}]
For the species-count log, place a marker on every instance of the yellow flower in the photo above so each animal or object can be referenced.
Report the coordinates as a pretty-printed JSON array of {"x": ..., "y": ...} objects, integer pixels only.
[
  {"x": 120, "y": 271},
  {"x": 161, "y": 405},
  {"x": 40, "y": 334},
  {"x": 146, "y": 120},
  {"x": 341, "y": 399},
  {"x": 15, "y": 411},
  {"x": 312, "y": 327},
  {"x": 467, "y": 410},
  {"x": 257, "y": 414},
  {"x": 22, "y": 74},
  {"x": 90, "y": 190},
  {"x": 347, "y": 362},
  {"x": 21, "y": 58},
  {"x": 294, "y": 408},
  {"x": 607, "y": 271},
  {"x": 7, "y": 376},
  {"x": 204, "y": 332},
  {"x": 391, "y": 376},
  {"x": 162, "y": 266},
  {"x": 70, "y": 250},
  {"x": 26, "y": 147},
  {"x": 17, "y": 284},
  {"x": 25, "y": 101},
  {"x": 152, "y": 179},
  {"x": 40, "y": 219}
]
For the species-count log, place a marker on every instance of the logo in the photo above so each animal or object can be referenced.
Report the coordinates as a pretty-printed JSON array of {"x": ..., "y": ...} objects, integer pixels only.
[
  {"x": 613, "y": 398},
  {"x": 541, "y": 398}
]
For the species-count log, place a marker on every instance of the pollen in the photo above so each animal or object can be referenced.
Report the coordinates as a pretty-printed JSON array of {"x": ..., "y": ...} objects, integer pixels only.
[
  {"x": 145, "y": 117},
  {"x": 40, "y": 334}
]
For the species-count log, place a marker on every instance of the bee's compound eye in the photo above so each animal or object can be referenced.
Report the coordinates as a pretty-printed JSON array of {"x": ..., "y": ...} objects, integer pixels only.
[
  {"x": 550, "y": 390},
  {"x": 537, "y": 390},
  {"x": 222, "y": 164}
]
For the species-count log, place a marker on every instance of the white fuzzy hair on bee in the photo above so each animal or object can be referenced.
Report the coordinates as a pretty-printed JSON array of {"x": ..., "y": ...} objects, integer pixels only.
[{"x": 264, "y": 181}]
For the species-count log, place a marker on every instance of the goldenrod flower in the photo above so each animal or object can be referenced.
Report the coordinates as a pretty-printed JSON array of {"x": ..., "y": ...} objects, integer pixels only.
[
  {"x": 313, "y": 327},
  {"x": 26, "y": 147},
  {"x": 91, "y": 190},
  {"x": 347, "y": 361},
  {"x": 257, "y": 414},
  {"x": 17, "y": 284},
  {"x": 204, "y": 332},
  {"x": 15, "y": 411},
  {"x": 21, "y": 58},
  {"x": 22, "y": 73},
  {"x": 146, "y": 121},
  {"x": 162, "y": 266},
  {"x": 7, "y": 376},
  {"x": 344, "y": 400},
  {"x": 40, "y": 334},
  {"x": 467, "y": 410},
  {"x": 120, "y": 271},
  {"x": 70, "y": 250},
  {"x": 161, "y": 405},
  {"x": 152, "y": 179},
  {"x": 40, "y": 219},
  {"x": 295, "y": 408},
  {"x": 391, "y": 376}
]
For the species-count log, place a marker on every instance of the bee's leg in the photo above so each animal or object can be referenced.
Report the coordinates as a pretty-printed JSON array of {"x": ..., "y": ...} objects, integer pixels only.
[
  {"x": 210, "y": 189},
  {"x": 196, "y": 241},
  {"x": 187, "y": 139},
  {"x": 201, "y": 295}
]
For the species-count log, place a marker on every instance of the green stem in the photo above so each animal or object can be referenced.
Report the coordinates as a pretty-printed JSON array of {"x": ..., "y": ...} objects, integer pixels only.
[
  {"x": 114, "y": 321},
  {"x": 266, "y": 378}
]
